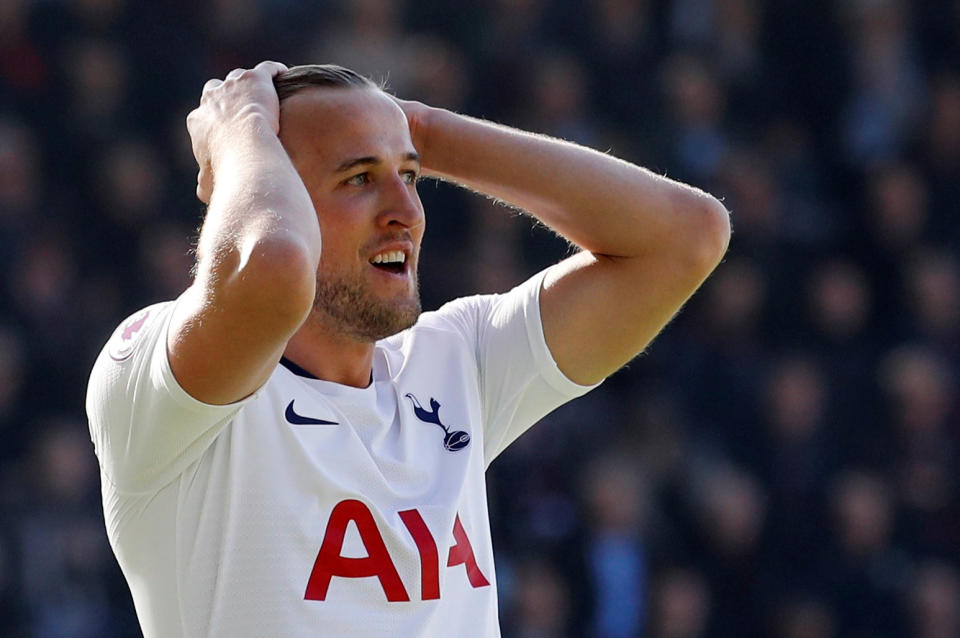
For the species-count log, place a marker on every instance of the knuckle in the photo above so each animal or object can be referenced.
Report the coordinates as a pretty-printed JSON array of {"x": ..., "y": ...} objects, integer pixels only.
[
  {"x": 272, "y": 66},
  {"x": 239, "y": 75}
]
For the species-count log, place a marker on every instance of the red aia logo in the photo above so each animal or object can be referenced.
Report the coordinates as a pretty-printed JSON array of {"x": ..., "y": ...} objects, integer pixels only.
[{"x": 378, "y": 563}]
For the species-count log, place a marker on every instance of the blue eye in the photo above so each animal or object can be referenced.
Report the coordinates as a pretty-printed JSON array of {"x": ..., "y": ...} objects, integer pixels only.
[
  {"x": 410, "y": 177},
  {"x": 358, "y": 180}
]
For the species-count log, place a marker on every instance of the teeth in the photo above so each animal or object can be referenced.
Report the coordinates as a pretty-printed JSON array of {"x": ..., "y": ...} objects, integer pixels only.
[{"x": 391, "y": 257}]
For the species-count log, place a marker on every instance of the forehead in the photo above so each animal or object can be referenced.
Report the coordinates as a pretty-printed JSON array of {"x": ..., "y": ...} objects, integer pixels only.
[{"x": 326, "y": 126}]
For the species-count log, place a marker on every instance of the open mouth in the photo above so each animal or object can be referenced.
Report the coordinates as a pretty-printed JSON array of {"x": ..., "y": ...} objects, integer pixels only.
[{"x": 394, "y": 261}]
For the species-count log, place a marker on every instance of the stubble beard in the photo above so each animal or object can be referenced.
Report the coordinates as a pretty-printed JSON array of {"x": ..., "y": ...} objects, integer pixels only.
[{"x": 357, "y": 313}]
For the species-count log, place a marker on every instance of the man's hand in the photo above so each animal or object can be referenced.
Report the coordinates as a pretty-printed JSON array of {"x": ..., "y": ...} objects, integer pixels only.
[
  {"x": 417, "y": 118},
  {"x": 225, "y": 106}
]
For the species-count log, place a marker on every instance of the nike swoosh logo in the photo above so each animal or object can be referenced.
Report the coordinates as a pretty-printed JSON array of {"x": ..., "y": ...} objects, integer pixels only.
[{"x": 296, "y": 419}]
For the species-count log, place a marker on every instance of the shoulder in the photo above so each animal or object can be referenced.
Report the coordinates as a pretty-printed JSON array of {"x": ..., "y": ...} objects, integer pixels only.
[
  {"x": 134, "y": 353},
  {"x": 472, "y": 318},
  {"x": 132, "y": 331},
  {"x": 130, "y": 353},
  {"x": 457, "y": 319}
]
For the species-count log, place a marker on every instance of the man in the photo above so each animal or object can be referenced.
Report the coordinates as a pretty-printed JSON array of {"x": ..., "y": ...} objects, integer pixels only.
[{"x": 286, "y": 449}]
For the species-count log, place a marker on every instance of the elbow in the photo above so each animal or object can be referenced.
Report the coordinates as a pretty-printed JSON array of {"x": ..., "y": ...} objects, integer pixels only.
[
  {"x": 717, "y": 231},
  {"x": 285, "y": 270},
  {"x": 707, "y": 235}
]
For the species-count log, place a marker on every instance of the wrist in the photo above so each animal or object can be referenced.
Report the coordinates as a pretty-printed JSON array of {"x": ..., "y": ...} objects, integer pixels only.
[{"x": 421, "y": 119}]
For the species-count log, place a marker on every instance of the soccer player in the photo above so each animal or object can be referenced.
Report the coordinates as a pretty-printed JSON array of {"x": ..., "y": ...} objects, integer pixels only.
[{"x": 290, "y": 448}]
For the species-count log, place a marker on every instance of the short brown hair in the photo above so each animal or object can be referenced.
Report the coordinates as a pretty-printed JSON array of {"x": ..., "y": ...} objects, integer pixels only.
[{"x": 298, "y": 78}]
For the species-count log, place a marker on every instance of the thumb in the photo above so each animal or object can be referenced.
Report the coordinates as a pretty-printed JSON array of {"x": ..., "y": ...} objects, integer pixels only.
[{"x": 205, "y": 183}]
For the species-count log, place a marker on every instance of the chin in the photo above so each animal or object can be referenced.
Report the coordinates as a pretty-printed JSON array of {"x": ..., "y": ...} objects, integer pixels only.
[
  {"x": 404, "y": 315},
  {"x": 354, "y": 310}
]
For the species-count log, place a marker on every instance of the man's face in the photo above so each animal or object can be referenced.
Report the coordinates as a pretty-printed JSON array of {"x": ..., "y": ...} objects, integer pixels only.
[{"x": 353, "y": 151}]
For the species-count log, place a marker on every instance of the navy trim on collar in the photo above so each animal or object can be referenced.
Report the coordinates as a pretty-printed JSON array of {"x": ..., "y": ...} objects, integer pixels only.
[{"x": 294, "y": 368}]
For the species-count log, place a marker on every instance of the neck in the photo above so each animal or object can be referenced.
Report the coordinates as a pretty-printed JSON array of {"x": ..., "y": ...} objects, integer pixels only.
[{"x": 330, "y": 355}]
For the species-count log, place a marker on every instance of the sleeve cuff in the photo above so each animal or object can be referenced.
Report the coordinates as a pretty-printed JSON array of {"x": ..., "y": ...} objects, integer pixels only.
[
  {"x": 168, "y": 381},
  {"x": 542, "y": 356}
]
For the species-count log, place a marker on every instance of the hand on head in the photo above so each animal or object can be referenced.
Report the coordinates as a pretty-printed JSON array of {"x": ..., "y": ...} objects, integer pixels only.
[
  {"x": 224, "y": 106},
  {"x": 416, "y": 113}
]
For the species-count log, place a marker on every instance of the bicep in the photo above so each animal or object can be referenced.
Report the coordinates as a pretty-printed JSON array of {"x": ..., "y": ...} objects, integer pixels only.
[{"x": 599, "y": 312}]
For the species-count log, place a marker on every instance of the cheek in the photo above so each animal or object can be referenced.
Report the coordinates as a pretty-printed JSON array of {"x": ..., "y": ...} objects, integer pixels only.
[
  {"x": 340, "y": 227},
  {"x": 335, "y": 254},
  {"x": 340, "y": 245}
]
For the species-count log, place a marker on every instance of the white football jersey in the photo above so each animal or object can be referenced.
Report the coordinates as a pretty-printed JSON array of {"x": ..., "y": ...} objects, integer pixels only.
[{"x": 312, "y": 508}]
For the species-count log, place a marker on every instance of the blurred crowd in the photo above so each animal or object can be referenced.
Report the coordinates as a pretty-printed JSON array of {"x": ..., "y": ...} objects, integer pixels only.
[{"x": 781, "y": 463}]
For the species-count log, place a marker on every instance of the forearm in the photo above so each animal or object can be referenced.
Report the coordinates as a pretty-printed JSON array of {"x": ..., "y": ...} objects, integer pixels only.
[
  {"x": 603, "y": 204},
  {"x": 258, "y": 198}
]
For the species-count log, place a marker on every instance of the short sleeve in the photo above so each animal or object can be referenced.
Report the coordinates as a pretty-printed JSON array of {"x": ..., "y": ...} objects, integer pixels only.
[
  {"x": 145, "y": 428},
  {"x": 520, "y": 382}
]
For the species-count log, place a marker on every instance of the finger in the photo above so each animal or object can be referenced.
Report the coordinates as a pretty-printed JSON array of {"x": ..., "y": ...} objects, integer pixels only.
[
  {"x": 191, "y": 130},
  {"x": 211, "y": 84},
  {"x": 204, "y": 184},
  {"x": 192, "y": 123},
  {"x": 271, "y": 68},
  {"x": 193, "y": 117},
  {"x": 235, "y": 74}
]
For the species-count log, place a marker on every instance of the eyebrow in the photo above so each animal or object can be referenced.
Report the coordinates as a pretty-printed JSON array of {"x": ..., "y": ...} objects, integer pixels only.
[{"x": 371, "y": 160}]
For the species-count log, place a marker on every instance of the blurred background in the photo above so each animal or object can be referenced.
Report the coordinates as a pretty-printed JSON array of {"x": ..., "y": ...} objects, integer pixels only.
[{"x": 783, "y": 461}]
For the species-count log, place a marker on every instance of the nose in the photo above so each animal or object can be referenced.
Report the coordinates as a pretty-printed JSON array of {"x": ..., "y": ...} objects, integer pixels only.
[{"x": 400, "y": 204}]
